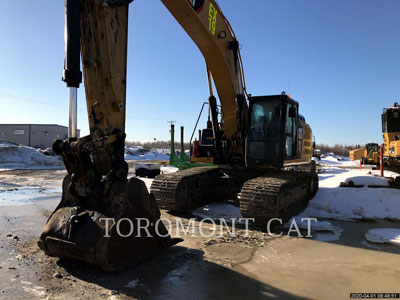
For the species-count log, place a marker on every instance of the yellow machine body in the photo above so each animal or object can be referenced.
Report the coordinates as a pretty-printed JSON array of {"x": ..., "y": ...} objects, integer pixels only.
[
  {"x": 357, "y": 154},
  {"x": 391, "y": 145},
  {"x": 391, "y": 132}
]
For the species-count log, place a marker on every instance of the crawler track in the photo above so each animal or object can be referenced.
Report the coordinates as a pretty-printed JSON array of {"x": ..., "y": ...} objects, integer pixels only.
[
  {"x": 277, "y": 195},
  {"x": 191, "y": 188},
  {"x": 271, "y": 195}
]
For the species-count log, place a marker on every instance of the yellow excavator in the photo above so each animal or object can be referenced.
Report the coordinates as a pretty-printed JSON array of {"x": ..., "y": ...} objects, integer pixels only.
[
  {"x": 262, "y": 146},
  {"x": 391, "y": 136},
  {"x": 252, "y": 142}
]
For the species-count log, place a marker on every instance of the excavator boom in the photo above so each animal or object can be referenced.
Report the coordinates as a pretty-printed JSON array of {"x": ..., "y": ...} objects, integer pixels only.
[{"x": 205, "y": 23}]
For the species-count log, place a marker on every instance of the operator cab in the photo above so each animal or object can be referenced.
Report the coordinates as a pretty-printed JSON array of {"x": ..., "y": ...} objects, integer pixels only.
[
  {"x": 272, "y": 130},
  {"x": 391, "y": 119},
  {"x": 372, "y": 147}
]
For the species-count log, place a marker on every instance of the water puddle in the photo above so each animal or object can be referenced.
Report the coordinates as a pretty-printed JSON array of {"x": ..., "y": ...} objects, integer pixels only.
[
  {"x": 12, "y": 194},
  {"x": 327, "y": 236}
]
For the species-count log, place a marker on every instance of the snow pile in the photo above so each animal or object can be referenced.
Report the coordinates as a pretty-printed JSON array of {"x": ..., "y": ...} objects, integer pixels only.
[
  {"x": 341, "y": 203},
  {"x": 140, "y": 153},
  {"x": 384, "y": 235},
  {"x": 355, "y": 203},
  {"x": 330, "y": 159},
  {"x": 15, "y": 156},
  {"x": 331, "y": 154},
  {"x": 168, "y": 169},
  {"x": 150, "y": 155},
  {"x": 368, "y": 180},
  {"x": 162, "y": 150},
  {"x": 134, "y": 150}
]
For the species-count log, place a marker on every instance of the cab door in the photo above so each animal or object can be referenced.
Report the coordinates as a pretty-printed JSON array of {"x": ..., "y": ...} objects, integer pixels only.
[{"x": 290, "y": 150}]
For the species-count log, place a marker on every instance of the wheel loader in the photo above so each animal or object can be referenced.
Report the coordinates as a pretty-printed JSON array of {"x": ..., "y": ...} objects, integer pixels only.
[
  {"x": 371, "y": 154},
  {"x": 368, "y": 155},
  {"x": 261, "y": 145}
]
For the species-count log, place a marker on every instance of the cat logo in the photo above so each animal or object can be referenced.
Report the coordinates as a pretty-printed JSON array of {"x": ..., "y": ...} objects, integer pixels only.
[{"x": 198, "y": 5}]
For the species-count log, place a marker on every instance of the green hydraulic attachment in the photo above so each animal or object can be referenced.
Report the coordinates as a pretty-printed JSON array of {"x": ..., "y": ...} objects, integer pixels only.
[{"x": 182, "y": 161}]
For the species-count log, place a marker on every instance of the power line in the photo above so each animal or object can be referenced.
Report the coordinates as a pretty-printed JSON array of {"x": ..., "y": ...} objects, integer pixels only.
[{"x": 18, "y": 98}]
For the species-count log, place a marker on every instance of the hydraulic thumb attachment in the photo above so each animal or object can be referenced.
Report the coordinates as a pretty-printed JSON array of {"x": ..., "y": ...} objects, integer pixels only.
[{"x": 103, "y": 218}]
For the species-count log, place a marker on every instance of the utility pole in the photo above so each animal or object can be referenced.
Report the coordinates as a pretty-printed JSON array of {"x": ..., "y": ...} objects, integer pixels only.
[
  {"x": 172, "y": 126},
  {"x": 172, "y": 132}
]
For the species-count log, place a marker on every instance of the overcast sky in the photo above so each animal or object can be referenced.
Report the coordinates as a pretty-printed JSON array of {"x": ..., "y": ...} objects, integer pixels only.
[{"x": 338, "y": 58}]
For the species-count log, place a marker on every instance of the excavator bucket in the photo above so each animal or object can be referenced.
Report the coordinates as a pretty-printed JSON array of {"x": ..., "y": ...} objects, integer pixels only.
[{"x": 114, "y": 230}]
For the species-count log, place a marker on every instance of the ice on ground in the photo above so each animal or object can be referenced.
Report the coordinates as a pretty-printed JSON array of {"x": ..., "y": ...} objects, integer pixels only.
[
  {"x": 368, "y": 180},
  {"x": 15, "y": 156},
  {"x": 384, "y": 235},
  {"x": 304, "y": 222},
  {"x": 322, "y": 231},
  {"x": 17, "y": 196},
  {"x": 23, "y": 195},
  {"x": 370, "y": 245},
  {"x": 218, "y": 211},
  {"x": 327, "y": 236},
  {"x": 176, "y": 276}
]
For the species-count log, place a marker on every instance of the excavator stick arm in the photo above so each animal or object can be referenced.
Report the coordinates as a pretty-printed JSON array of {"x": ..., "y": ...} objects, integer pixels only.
[{"x": 97, "y": 196}]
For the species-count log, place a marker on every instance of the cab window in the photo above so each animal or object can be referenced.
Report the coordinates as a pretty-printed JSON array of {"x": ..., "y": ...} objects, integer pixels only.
[
  {"x": 265, "y": 130},
  {"x": 290, "y": 130}
]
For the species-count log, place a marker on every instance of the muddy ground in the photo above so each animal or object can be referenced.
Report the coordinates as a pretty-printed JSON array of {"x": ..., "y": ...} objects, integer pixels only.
[{"x": 255, "y": 267}]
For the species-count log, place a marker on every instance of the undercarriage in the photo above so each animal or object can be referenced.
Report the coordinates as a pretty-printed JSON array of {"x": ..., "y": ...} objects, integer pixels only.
[{"x": 263, "y": 194}]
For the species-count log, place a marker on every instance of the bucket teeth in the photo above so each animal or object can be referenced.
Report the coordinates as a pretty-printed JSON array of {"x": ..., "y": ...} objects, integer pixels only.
[{"x": 123, "y": 229}]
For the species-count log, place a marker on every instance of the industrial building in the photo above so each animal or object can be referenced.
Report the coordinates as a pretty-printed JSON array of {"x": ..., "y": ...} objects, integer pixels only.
[{"x": 33, "y": 135}]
